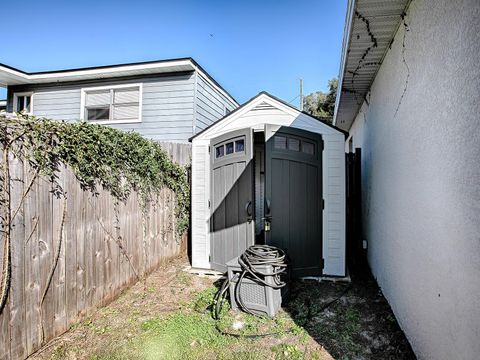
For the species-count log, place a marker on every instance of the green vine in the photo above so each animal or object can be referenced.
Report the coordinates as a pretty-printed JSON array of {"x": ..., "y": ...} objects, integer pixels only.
[{"x": 118, "y": 161}]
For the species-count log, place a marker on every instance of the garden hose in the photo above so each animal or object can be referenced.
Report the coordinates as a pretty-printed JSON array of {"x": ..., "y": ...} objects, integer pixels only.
[
  {"x": 254, "y": 256},
  {"x": 257, "y": 255}
]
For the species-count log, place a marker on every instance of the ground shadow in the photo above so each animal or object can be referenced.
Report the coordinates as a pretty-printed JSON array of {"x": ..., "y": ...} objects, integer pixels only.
[{"x": 350, "y": 320}]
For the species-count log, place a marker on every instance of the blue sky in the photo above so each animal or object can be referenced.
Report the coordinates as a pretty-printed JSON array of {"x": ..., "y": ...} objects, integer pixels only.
[{"x": 247, "y": 46}]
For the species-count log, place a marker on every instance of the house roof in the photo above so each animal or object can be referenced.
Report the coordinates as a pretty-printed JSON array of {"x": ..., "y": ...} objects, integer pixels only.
[
  {"x": 11, "y": 76},
  {"x": 265, "y": 94},
  {"x": 370, "y": 27}
]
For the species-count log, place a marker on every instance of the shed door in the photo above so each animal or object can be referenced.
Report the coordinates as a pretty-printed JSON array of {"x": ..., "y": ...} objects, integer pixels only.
[
  {"x": 232, "y": 207},
  {"x": 293, "y": 195}
]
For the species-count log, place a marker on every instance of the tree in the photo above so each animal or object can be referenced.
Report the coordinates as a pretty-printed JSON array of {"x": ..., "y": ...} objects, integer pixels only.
[{"x": 322, "y": 104}]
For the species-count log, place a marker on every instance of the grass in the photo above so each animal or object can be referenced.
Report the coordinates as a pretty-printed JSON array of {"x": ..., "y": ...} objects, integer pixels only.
[
  {"x": 169, "y": 317},
  {"x": 191, "y": 333}
]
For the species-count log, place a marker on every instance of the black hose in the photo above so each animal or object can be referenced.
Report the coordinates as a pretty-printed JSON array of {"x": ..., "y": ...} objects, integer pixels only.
[
  {"x": 249, "y": 261},
  {"x": 261, "y": 255},
  {"x": 254, "y": 256}
]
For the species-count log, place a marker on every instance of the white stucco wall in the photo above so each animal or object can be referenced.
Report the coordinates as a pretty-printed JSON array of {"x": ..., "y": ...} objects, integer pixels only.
[{"x": 421, "y": 178}]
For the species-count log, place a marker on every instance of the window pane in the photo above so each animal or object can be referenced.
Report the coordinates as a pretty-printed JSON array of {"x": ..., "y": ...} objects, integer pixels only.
[
  {"x": 280, "y": 142},
  {"x": 219, "y": 151},
  {"x": 28, "y": 100},
  {"x": 240, "y": 145},
  {"x": 126, "y": 95},
  {"x": 20, "y": 103},
  {"x": 308, "y": 148},
  {"x": 229, "y": 148},
  {"x": 293, "y": 144},
  {"x": 125, "y": 112},
  {"x": 98, "y": 114},
  {"x": 95, "y": 98}
]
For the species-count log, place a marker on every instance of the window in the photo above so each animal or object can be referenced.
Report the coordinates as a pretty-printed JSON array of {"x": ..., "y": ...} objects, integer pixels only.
[
  {"x": 116, "y": 104},
  {"x": 293, "y": 144},
  {"x": 280, "y": 142},
  {"x": 308, "y": 148},
  {"x": 22, "y": 102},
  {"x": 240, "y": 145},
  {"x": 219, "y": 151},
  {"x": 231, "y": 147}
]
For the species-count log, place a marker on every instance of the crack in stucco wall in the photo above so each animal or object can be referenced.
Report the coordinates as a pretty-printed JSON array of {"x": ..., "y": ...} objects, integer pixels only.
[{"x": 404, "y": 61}]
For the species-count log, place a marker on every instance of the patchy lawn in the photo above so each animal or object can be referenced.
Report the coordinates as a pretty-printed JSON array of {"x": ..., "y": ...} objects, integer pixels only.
[{"x": 167, "y": 317}]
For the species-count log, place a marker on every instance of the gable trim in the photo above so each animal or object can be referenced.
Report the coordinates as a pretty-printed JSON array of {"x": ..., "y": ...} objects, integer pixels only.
[{"x": 250, "y": 104}]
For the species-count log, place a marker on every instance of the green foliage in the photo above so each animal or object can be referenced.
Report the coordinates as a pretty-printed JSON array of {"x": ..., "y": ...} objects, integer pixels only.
[
  {"x": 182, "y": 335},
  {"x": 120, "y": 162},
  {"x": 204, "y": 299},
  {"x": 322, "y": 104},
  {"x": 287, "y": 352},
  {"x": 185, "y": 279}
]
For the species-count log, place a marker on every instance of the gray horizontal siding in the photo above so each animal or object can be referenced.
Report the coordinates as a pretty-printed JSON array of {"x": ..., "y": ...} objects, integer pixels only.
[
  {"x": 167, "y": 104},
  {"x": 58, "y": 104},
  {"x": 210, "y": 104}
]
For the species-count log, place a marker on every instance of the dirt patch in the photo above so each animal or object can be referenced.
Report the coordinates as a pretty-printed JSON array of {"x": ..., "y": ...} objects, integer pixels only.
[
  {"x": 167, "y": 316},
  {"x": 352, "y": 321}
]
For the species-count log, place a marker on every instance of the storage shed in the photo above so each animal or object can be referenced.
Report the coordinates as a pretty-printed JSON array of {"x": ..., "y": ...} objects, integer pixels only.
[{"x": 268, "y": 173}]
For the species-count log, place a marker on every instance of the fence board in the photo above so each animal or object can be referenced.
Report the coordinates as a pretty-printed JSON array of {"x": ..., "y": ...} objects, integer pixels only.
[
  {"x": 17, "y": 293},
  {"x": 46, "y": 245},
  {"x": 32, "y": 269},
  {"x": 58, "y": 286},
  {"x": 81, "y": 273},
  {"x": 91, "y": 269}
]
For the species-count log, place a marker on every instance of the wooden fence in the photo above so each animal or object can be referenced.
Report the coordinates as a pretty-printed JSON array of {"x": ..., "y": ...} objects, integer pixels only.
[{"x": 104, "y": 248}]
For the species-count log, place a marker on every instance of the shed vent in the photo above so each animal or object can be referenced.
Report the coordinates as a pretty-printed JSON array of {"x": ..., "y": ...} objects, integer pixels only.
[{"x": 263, "y": 106}]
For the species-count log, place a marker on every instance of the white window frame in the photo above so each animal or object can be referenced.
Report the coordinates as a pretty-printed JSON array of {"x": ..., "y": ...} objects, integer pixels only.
[
  {"x": 15, "y": 100},
  {"x": 112, "y": 87}
]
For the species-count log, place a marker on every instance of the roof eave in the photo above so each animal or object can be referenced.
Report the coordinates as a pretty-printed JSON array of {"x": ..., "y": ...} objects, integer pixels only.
[
  {"x": 345, "y": 44},
  {"x": 358, "y": 70},
  {"x": 10, "y": 76}
]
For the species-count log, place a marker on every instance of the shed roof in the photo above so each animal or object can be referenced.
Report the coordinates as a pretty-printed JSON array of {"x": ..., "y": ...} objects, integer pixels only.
[
  {"x": 257, "y": 97},
  {"x": 11, "y": 76},
  {"x": 370, "y": 27}
]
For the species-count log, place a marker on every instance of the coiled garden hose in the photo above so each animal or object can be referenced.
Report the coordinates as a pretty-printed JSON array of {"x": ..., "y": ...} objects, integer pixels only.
[{"x": 254, "y": 256}]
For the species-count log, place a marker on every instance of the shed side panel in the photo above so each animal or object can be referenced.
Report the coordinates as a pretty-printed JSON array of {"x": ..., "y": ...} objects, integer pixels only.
[
  {"x": 334, "y": 212},
  {"x": 200, "y": 211}
]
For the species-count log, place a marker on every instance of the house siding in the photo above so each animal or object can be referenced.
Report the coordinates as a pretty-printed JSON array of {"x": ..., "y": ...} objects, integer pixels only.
[
  {"x": 210, "y": 105},
  {"x": 420, "y": 178},
  {"x": 167, "y": 104}
]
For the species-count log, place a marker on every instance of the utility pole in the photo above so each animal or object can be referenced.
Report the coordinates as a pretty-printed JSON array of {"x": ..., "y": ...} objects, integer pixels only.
[{"x": 301, "y": 94}]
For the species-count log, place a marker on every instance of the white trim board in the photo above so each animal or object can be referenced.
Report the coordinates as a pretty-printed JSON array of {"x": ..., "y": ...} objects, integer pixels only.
[
  {"x": 23, "y": 93},
  {"x": 9, "y": 77}
]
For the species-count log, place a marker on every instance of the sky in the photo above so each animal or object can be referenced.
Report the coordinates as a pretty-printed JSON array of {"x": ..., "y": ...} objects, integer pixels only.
[{"x": 247, "y": 46}]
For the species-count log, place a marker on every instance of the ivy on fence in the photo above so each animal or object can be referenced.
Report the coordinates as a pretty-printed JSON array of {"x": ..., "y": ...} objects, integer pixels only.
[{"x": 120, "y": 162}]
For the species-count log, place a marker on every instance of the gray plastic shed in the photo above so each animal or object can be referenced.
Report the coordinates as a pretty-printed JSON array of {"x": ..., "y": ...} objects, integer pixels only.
[{"x": 269, "y": 173}]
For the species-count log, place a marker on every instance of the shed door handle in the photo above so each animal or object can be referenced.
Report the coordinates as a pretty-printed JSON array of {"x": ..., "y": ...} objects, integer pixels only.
[{"x": 248, "y": 210}]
